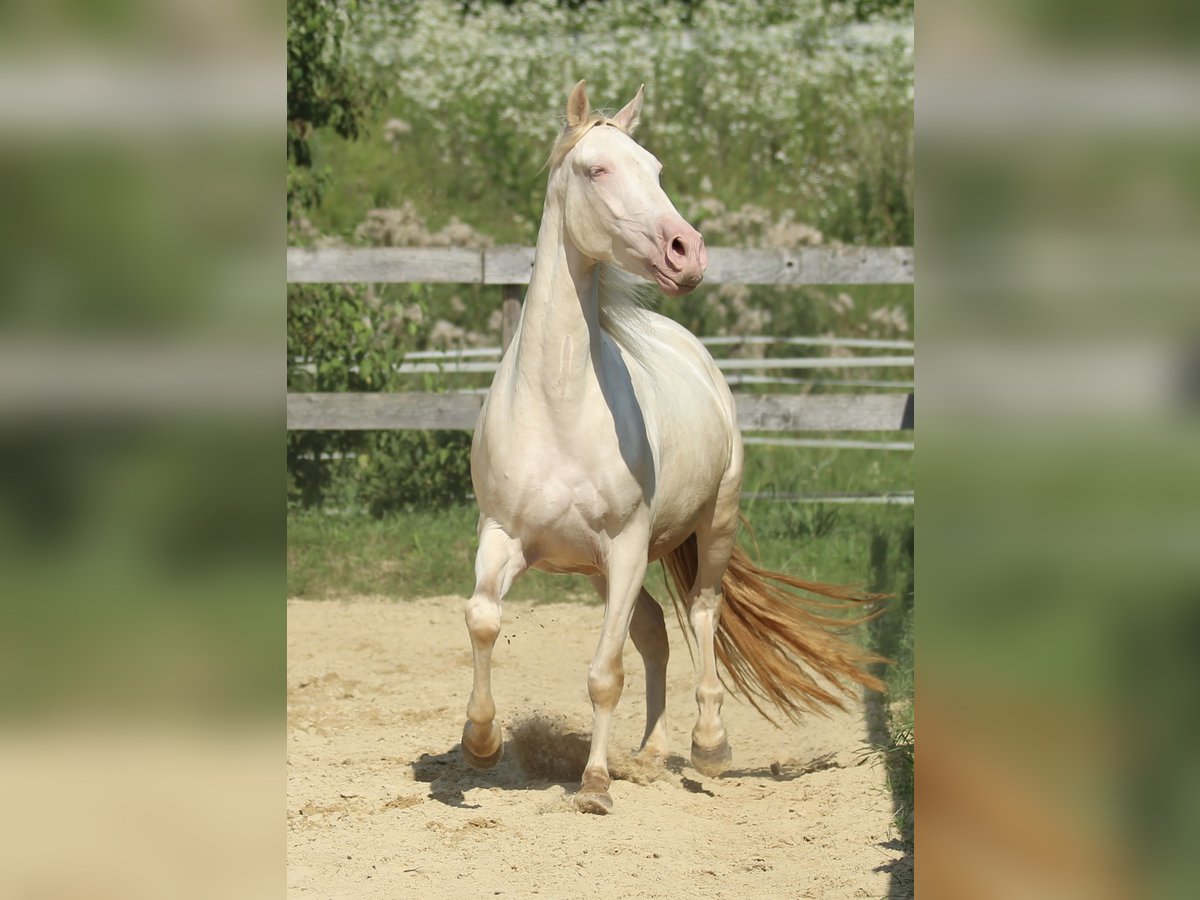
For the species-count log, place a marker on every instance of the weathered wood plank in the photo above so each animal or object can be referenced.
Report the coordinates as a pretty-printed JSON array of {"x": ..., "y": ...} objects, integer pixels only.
[
  {"x": 825, "y": 412},
  {"x": 507, "y": 265},
  {"x": 733, "y": 364},
  {"x": 512, "y": 265},
  {"x": 810, "y": 265},
  {"x": 363, "y": 412},
  {"x": 779, "y": 412},
  {"x": 384, "y": 265}
]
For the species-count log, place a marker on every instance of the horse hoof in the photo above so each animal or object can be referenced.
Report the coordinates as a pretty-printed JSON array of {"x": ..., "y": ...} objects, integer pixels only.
[
  {"x": 651, "y": 756},
  {"x": 484, "y": 760},
  {"x": 711, "y": 762},
  {"x": 598, "y": 803}
]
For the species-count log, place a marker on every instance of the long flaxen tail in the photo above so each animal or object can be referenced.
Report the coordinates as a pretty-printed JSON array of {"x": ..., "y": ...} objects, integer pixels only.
[{"x": 778, "y": 647}]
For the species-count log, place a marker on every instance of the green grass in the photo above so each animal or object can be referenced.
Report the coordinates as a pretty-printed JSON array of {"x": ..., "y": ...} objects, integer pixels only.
[
  {"x": 415, "y": 554},
  {"x": 424, "y": 552}
]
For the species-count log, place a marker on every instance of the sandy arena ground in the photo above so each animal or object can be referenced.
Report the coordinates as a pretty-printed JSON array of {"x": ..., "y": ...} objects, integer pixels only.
[{"x": 381, "y": 805}]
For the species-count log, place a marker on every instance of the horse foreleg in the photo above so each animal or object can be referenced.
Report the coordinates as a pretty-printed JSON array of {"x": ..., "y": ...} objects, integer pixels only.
[
  {"x": 606, "y": 674},
  {"x": 649, "y": 632},
  {"x": 498, "y": 563}
]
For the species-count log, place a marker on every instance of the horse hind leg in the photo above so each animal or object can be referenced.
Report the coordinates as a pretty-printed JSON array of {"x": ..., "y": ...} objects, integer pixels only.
[
  {"x": 711, "y": 754},
  {"x": 649, "y": 632},
  {"x": 498, "y": 563},
  {"x": 714, "y": 541}
]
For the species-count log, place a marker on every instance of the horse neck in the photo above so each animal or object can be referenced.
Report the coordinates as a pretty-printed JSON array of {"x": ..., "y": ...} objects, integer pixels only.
[{"x": 558, "y": 340}]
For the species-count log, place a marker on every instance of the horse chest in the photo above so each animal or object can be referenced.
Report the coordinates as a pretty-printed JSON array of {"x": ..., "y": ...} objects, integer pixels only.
[
  {"x": 550, "y": 485},
  {"x": 560, "y": 487}
]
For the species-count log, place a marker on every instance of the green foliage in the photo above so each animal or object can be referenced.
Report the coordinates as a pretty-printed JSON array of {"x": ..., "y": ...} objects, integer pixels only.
[
  {"x": 866, "y": 10},
  {"x": 809, "y": 519},
  {"x": 771, "y": 104},
  {"x": 348, "y": 338},
  {"x": 326, "y": 89},
  {"x": 416, "y": 469}
]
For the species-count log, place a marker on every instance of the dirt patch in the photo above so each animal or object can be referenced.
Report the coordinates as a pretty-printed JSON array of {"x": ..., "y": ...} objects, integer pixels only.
[{"x": 380, "y": 803}]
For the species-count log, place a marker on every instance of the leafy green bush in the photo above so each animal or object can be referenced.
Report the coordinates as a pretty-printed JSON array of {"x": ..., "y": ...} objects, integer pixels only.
[
  {"x": 421, "y": 469},
  {"x": 348, "y": 338}
]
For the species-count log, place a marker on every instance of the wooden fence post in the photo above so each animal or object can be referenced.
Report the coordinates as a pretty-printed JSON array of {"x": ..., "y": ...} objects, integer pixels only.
[{"x": 510, "y": 311}]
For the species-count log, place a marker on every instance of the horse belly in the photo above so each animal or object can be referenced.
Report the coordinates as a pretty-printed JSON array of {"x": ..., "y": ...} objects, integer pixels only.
[
  {"x": 698, "y": 454},
  {"x": 685, "y": 498}
]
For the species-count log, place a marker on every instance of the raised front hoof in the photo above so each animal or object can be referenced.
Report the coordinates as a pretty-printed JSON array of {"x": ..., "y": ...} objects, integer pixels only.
[
  {"x": 491, "y": 751},
  {"x": 598, "y": 803},
  {"x": 711, "y": 762}
]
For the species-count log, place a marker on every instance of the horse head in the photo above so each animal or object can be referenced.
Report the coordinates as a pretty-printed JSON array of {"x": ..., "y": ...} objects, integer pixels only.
[{"x": 615, "y": 210}]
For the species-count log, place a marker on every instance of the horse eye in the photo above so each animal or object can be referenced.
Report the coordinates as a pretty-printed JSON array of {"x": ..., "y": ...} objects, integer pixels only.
[{"x": 597, "y": 171}]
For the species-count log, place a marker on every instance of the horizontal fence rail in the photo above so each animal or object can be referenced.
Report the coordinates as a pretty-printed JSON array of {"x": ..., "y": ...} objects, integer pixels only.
[
  {"x": 715, "y": 341},
  {"x": 828, "y": 443},
  {"x": 892, "y": 498},
  {"x": 458, "y": 411},
  {"x": 467, "y": 367},
  {"x": 511, "y": 265}
]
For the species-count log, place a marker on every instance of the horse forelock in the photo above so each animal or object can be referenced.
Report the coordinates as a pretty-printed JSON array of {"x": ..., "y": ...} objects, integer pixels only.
[{"x": 573, "y": 134}]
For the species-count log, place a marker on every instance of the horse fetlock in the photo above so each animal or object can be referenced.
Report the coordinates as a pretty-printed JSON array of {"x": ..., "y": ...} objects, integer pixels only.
[
  {"x": 593, "y": 796},
  {"x": 482, "y": 746},
  {"x": 481, "y": 711}
]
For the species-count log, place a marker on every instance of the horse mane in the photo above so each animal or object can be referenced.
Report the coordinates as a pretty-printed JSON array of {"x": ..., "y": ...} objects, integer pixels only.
[{"x": 623, "y": 301}]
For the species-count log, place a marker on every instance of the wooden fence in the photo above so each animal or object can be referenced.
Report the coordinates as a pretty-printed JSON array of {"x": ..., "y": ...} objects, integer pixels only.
[
  {"x": 512, "y": 265},
  {"x": 509, "y": 267}
]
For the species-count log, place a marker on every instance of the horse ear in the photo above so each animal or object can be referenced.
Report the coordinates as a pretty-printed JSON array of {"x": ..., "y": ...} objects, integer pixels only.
[
  {"x": 628, "y": 117},
  {"x": 577, "y": 105}
]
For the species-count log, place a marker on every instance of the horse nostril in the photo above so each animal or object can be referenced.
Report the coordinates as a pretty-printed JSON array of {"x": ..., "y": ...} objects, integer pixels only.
[{"x": 678, "y": 248}]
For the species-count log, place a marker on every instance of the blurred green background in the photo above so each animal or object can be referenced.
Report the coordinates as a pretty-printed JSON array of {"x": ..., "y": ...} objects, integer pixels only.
[{"x": 1055, "y": 225}]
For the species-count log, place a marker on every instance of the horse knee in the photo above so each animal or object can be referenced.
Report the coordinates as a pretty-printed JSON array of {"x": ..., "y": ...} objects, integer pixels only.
[
  {"x": 605, "y": 683},
  {"x": 483, "y": 619}
]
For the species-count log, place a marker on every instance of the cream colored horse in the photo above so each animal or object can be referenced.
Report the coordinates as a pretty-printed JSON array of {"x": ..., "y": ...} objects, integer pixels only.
[{"x": 609, "y": 441}]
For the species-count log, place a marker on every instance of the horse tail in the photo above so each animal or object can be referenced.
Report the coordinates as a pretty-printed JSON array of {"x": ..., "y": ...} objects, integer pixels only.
[{"x": 772, "y": 642}]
